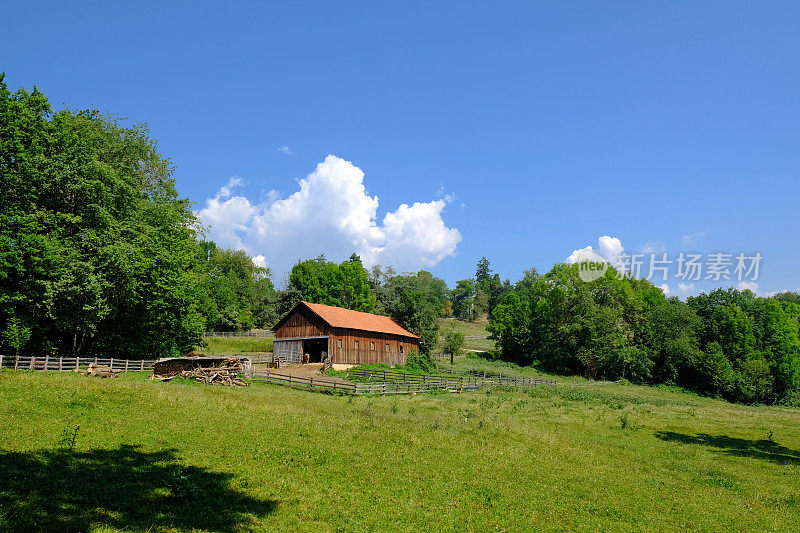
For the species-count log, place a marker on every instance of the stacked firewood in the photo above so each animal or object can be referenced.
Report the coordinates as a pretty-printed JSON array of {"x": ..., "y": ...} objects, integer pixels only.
[{"x": 226, "y": 373}]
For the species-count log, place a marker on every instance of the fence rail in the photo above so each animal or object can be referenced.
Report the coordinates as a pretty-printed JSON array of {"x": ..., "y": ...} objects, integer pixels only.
[
  {"x": 310, "y": 383},
  {"x": 65, "y": 364},
  {"x": 469, "y": 381},
  {"x": 263, "y": 334}
]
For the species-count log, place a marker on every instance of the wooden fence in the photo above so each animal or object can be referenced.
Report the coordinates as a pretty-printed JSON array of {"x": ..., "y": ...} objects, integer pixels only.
[
  {"x": 470, "y": 381},
  {"x": 310, "y": 383},
  {"x": 264, "y": 334},
  {"x": 66, "y": 364}
]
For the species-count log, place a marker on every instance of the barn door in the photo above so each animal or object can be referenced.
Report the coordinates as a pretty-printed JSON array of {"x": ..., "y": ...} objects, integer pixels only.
[{"x": 288, "y": 351}]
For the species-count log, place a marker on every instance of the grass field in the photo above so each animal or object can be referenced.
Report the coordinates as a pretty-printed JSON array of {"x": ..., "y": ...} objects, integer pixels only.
[
  {"x": 469, "y": 329},
  {"x": 234, "y": 345},
  {"x": 182, "y": 456}
]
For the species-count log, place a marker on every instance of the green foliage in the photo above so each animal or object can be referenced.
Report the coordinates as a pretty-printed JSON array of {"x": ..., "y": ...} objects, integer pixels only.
[
  {"x": 420, "y": 362},
  {"x": 237, "y": 294},
  {"x": 453, "y": 343},
  {"x": 416, "y": 301},
  {"x": 324, "y": 282},
  {"x": 97, "y": 252},
  {"x": 728, "y": 343},
  {"x": 16, "y": 335},
  {"x": 463, "y": 300}
]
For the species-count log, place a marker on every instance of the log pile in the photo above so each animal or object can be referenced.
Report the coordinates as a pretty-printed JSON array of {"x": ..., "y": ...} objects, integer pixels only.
[
  {"x": 100, "y": 371},
  {"x": 226, "y": 373}
]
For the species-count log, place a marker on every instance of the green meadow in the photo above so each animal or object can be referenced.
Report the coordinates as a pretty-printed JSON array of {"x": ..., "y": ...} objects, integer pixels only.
[{"x": 87, "y": 454}]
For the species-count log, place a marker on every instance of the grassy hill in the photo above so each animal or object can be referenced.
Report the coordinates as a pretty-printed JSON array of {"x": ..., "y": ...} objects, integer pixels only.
[
  {"x": 183, "y": 456},
  {"x": 469, "y": 329}
]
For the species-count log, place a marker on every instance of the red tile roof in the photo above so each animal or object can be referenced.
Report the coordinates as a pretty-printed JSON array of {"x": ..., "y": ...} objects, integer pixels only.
[{"x": 339, "y": 317}]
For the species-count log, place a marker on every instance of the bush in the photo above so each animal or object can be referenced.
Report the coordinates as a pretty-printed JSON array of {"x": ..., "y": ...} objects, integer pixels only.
[{"x": 420, "y": 362}]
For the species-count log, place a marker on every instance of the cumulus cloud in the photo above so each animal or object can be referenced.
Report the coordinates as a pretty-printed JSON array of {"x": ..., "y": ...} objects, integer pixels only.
[
  {"x": 748, "y": 285},
  {"x": 608, "y": 249},
  {"x": 665, "y": 288},
  {"x": 331, "y": 213}
]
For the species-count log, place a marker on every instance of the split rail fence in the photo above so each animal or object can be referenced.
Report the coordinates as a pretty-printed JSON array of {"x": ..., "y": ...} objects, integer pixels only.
[
  {"x": 66, "y": 364},
  {"x": 472, "y": 380},
  {"x": 264, "y": 334},
  {"x": 392, "y": 382}
]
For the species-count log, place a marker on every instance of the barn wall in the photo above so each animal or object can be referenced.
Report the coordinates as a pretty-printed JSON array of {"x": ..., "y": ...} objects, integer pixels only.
[
  {"x": 302, "y": 323},
  {"x": 364, "y": 354}
]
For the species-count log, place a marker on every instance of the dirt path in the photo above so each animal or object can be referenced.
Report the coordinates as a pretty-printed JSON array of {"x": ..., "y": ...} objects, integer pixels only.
[{"x": 311, "y": 370}]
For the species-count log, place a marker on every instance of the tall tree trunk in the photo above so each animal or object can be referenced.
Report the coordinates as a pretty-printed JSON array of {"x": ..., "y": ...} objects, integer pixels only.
[
  {"x": 74, "y": 342},
  {"x": 80, "y": 345}
]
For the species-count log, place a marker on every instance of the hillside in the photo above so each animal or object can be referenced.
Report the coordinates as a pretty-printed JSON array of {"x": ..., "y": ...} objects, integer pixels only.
[
  {"x": 578, "y": 456},
  {"x": 469, "y": 329}
]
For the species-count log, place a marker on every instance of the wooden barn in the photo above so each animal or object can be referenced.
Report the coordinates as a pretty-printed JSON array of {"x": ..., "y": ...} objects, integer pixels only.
[{"x": 349, "y": 337}]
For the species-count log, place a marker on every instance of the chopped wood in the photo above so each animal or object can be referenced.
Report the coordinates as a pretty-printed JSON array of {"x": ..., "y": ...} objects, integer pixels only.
[
  {"x": 100, "y": 371},
  {"x": 226, "y": 373}
]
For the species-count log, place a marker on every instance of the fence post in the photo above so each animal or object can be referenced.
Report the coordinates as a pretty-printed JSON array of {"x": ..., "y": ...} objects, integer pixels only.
[
  {"x": 95, "y": 360},
  {"x": 16, "y": 362},
  {"x": 46, "y": 361},
  {"x": 126, "y": 364},
  {"x": 60, "y": 364},
  {"x": 142, "y": 365},
  {"x": 310, "y": 383},
  {"x": 33, "y": 360},
  {"x": 112, "y": 364}
]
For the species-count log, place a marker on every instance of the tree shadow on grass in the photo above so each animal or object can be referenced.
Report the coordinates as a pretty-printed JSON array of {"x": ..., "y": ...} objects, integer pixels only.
[
  {"x": 763, "y": 449},
  {"x": 124, "y": 488}
]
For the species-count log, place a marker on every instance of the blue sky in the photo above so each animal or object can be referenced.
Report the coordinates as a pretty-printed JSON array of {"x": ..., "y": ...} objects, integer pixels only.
[{"x": 540, "y": 127}]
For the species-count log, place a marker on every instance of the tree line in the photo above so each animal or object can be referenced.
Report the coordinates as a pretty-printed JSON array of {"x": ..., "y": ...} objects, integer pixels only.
[{"x": 729, "y": 343}]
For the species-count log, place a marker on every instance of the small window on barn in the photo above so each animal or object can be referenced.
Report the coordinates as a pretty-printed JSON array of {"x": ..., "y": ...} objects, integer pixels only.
[
  {"x": 372, "y": 346},
  {"x": 339, "y": 343},
  {"x": 387, "y": 346},
  {"x": 356, "y": 345},
  {"x": 401, "y": 348}
]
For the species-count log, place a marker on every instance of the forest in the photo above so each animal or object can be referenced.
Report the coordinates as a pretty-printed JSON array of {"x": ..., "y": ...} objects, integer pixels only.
[{"x": 100, "y": 255}]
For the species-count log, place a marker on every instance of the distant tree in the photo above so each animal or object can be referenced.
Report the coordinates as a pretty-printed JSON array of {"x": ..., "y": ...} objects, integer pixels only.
[
  {"x": 447, "y": 309},
  {"x": 453, "y": 342},
  {"x": 345, "y": 285},
  {"x": 237, "y": 293},
  {"x": 16, "y": 335},
  {"x": 416, "y": 302},
  {"x": 463, "y": 299},
  {"x": 483, "y": 271}
]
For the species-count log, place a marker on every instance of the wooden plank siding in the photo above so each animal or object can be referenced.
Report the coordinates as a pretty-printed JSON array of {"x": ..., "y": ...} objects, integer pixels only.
[
  {"x": 372, "y": 346},
  {"x": 302, "y": 323},
  {"x": 365, "y": 354}
]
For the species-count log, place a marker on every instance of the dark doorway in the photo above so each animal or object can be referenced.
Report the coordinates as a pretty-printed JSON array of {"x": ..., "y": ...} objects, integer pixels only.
[{"x": 314, "y": 348}]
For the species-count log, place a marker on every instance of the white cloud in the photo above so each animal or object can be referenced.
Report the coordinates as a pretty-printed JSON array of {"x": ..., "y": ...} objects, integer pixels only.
[
  {"x": 609, "y": 249},
  {"x": 692, "y": 238},
  {"x": 331, "y": 213},
  {"x": 652, "y": 247},
  {"x": 773, "y": 293},
  {"x": 665, "y": 288},
  {"x": 285, "y": 150},
  {"x": 748, "y": 285},
  {"x": 685, "y": 288},
  {"x": 260, "y": 261}
]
